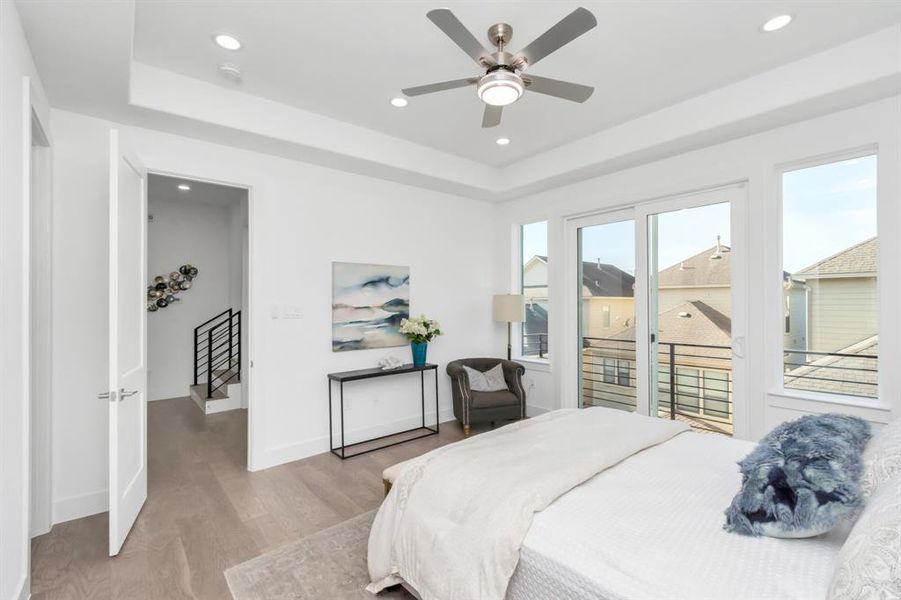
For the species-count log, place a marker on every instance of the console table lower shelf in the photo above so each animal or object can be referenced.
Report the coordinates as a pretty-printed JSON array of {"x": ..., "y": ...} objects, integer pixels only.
[{"x": 362, "y": 447}]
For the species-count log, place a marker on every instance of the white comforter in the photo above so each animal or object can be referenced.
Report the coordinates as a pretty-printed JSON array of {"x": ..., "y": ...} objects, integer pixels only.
[
  {"x": 455, "y": 519},
  {"x": 651, "y": 528}
]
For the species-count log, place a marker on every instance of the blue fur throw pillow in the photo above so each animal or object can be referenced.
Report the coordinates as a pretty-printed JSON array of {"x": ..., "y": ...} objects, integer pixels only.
[{"x": 802, "y": 479}]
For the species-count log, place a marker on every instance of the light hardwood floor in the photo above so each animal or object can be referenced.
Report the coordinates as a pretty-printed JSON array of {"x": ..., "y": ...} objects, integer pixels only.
[{"x": 205, "y": 512}]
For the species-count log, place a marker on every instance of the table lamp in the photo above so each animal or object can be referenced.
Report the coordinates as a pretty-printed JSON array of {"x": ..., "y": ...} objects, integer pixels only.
[{"x": 509, "y": 309}]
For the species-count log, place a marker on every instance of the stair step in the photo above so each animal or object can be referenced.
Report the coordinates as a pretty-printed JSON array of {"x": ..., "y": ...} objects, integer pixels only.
[{"x": 218, "y": 394}]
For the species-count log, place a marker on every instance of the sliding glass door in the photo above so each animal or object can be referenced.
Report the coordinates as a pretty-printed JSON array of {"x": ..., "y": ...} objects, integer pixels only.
[
  {"x": 689, "y": 289},
  {"x": 658, "y": 305},
  {"x": 606, "y": 276}
]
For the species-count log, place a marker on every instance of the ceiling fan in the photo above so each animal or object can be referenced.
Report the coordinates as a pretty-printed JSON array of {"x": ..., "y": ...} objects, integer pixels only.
[{"x": 504, "y": 82}]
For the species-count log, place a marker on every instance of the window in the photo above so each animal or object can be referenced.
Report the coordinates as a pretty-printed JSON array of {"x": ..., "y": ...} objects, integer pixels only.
[
  {"x": 829, "y": 263},
  {"x": 716, "y": 394},
  {"x": 687, "y": 389},
  {"x": 606, "y": 316},
  {"x": 534, "y": 278},
  {"x": 624, "y": 373}
]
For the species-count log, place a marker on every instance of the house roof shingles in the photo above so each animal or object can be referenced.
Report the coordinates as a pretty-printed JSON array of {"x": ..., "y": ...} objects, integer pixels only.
[
  {"x": 699, "y": 270},
  {"x": 853, "y": 374},
  {"x": 604, "y": 280},
  {"x": 859, "y": 258}
]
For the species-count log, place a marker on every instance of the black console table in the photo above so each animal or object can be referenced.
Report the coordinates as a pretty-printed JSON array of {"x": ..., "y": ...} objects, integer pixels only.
[{"x": 348, "y": 376}]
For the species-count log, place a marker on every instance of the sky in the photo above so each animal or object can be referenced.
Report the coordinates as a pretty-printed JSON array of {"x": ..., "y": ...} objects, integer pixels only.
[{"x": 826, "y": 209}]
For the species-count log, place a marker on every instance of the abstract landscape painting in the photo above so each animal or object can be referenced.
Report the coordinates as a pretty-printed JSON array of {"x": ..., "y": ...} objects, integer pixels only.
[{"x": 368, "y": 304}]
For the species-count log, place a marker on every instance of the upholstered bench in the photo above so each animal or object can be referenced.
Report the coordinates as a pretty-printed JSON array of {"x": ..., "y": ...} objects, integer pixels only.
[{"x": 390, "y": 475}]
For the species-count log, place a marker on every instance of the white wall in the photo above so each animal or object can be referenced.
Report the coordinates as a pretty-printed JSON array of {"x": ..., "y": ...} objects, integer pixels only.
[
  {"x": 301, "y": 218},
  {"x": 20, "y": 91},
  {"x": 754, "y": 159},
  {"x": 198, "y": 233}
]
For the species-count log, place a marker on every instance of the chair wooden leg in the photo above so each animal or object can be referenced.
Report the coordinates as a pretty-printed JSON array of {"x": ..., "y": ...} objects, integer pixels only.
[
  {"x": 387, "y": 486},
  {"x": 466, "y": 431}
]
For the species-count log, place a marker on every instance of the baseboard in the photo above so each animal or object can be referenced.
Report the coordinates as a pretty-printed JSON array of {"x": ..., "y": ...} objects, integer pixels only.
[
  {"x": 533, "y": 411},
  {"x": 273, "y": 457},
  {"x": 76, "y": 507}
]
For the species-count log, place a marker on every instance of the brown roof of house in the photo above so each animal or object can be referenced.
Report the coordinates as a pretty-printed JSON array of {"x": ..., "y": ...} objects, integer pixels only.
[
  {"x": 850, "y": 371},
  {"x": 691, "y": 322},
  {"x": 605, "y": 280},
  {"x": 859, "y": 258},
  {"x": 698, "y": 270}
]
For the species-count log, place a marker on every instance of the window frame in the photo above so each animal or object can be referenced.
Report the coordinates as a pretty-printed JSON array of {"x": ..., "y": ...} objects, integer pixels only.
[
  {"x": 776, "y": 361},
  {"x": 518, "y": 285}
]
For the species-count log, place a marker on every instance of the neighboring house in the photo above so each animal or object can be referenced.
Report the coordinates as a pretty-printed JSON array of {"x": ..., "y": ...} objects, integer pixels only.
[
  {"x": 840, "y": 286},
  {"x": 706, "y": 276},
  {"x": 607, "y": 300},
  {"x": 842, "y": 305},
  {"x": 701, "y": 368}
]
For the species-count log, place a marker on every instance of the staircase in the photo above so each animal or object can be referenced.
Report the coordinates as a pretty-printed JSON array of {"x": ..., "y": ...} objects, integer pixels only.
[{"x": 217, "y": 363}]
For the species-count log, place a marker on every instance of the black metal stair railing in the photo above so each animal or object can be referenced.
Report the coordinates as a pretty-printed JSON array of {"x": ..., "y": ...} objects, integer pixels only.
[{"x": 217, "y": 351}]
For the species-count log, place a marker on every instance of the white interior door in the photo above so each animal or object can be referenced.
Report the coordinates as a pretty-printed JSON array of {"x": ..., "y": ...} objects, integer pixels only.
[{"x": 127, "y": 341}]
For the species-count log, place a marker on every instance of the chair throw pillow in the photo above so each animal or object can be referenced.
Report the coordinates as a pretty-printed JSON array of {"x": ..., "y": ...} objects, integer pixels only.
[
  {"x": 803, "y": 478},
  {"x": 491, "y": 380},
  {"x": 882, "y": 457}
]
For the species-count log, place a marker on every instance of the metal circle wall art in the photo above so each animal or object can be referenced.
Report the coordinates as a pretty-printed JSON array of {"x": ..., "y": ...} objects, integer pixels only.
[{"x": 163, "y": 290}]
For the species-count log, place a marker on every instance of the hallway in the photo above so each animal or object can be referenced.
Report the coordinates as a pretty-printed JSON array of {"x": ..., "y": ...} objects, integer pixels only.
[{"x": 205, "y": 512}]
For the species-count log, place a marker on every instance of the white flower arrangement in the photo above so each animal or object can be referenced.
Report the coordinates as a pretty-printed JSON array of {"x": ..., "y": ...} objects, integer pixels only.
[{"x": 420, "y": 329}]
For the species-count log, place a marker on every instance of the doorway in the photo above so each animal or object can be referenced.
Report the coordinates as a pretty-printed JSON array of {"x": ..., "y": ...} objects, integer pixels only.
[
  {"x": 197, "y": 294},
  {"x": 660, "y": 308}
]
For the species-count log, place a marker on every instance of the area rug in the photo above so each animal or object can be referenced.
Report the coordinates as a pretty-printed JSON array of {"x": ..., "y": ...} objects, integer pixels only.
[{"x": 328, "y": 564}]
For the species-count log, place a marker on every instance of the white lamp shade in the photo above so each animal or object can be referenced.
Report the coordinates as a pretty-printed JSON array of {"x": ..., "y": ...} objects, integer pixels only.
[{"x": 509, "y": 308}]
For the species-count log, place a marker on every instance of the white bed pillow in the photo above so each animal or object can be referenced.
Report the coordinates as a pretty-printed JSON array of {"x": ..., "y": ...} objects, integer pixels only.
[
  {"x": 881, "y": 457},
  {"x": 491, "y": 380},
  {"x": 869, "y": 563}
]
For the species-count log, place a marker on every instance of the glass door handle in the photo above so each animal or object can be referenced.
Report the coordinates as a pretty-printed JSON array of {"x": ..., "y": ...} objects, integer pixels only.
[
  {"x": 738, "y": 347},
  {"x": 123, "y": 394}
]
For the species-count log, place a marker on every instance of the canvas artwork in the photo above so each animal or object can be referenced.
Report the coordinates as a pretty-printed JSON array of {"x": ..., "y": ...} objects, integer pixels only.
[{"x": 368, "y": 304}]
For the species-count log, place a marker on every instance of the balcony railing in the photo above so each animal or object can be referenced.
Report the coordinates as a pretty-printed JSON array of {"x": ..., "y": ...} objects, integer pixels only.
[
  {"x": 694, "y": 382},
  {"x": 534, "y": 345},
  {"x": 845, "y": 373}
]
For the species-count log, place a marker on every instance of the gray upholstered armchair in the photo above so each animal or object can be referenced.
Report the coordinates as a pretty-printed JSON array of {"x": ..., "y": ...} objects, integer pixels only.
[{"x": 475, "y": 407}]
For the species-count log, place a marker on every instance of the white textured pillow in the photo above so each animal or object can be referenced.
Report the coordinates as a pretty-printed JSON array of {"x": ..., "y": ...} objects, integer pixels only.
[
  {"x": 491, "y": 380},
  {"x": 869, "y": 563},
  {"x": 881, "y": 457}
]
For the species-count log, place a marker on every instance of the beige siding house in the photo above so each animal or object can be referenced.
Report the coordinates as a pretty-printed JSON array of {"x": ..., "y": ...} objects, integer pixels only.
[
  {"x": 842, "y": 298},
  {"x": 842, "y": 308}
]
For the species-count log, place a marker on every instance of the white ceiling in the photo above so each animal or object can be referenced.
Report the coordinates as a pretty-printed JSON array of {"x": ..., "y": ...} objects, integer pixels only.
[
  {"x": 347, "y": 59},
  {"x": 162, "y": 188}
]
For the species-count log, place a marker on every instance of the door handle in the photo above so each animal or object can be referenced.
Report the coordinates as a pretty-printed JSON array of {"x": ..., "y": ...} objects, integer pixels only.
[
  {"x": 111, "y": 396},
  {"x": 123, "y": 394},
  {"x": 738, "y": 347}
]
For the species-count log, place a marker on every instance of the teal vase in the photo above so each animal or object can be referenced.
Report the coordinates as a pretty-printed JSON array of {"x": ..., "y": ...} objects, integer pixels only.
[{"x": 420, "y": 349}]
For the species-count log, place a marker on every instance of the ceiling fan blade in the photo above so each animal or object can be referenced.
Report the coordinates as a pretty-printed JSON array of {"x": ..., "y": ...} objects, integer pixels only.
[
  {"x": 457, "y": 32},
  {"x": 569, "y": 28},
  {"x": 439, "y": 87},
  {"x": 492, "y": 116},
  {"x": 559, "y": 89}
]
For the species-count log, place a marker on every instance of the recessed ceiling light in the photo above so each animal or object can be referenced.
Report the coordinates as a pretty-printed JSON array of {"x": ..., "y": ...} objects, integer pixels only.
[
  {"x": 229, "y": 42},
  {"x": 502, "y": 141},
  {"x": 399, "y": 102},
  {"x": 184, "y": 187},
  {"x": 777, "y": 23}
]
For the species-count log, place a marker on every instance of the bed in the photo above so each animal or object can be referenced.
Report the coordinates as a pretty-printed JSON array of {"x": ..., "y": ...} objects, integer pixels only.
[
  {"x": 651, "y": 528},
  {"x": 639, "y": 517}
]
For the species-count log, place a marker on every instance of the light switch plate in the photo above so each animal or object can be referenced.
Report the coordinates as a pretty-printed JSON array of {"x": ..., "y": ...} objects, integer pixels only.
[{"x": 292, "y": 311}]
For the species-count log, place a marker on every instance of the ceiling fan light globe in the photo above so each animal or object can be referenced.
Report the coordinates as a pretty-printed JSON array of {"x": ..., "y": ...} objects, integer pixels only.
[{"x": 500, "y": 88}]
